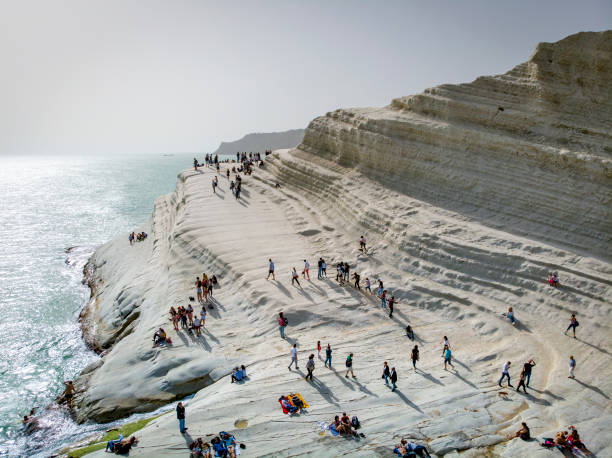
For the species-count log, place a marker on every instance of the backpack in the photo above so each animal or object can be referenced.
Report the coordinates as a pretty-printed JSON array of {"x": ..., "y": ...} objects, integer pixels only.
[
  {"x": 355, "y": 422},
  {"x": 549, "y": 442},
  {"x": 285, "y": 321}
]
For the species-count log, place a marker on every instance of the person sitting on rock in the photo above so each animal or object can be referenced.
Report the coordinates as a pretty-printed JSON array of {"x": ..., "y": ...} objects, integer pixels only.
[
  {"x": 237, "y": 375},
  {"x": 555, "y": 280},
  {"x": 561, "y": 441},
  {"x": 124, "y": 446},
  {"x": 523, "y": 432},
  {"x": 159, "y": 337},
  {"x": 574, "y": 441},
  {"x": 230, "y": 444},
  {"x": 284, "y": 400},
  {"x": 218, "y": 447}
]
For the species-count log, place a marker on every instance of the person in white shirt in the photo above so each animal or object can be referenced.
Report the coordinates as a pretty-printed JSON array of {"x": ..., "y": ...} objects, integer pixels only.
[
  {"x": 505, "y": 373},
  {"x": 305, "y": 273},
  {"x": 293, "y": 357}
]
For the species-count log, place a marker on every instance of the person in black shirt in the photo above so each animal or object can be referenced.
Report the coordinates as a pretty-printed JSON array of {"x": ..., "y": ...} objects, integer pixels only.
[{"x": 180, "y": 414}]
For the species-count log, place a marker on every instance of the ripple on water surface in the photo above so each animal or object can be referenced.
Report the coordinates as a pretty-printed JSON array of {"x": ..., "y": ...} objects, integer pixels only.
[{"x": 47, "y": 206}]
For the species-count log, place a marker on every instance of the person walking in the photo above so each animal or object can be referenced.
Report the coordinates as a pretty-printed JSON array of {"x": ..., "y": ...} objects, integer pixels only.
[
  {"x": 367, "y": 285},
  {"x": 393, "y": 378},
  {"x": 346, "y": 269},
  {"x": 386, "y": 373},
  {"x": 409, "y": 332},
  {"x": 320, "y": 268},
  {"x": 282, "y": 322},
  {"x": 305, "y": 272},
  {"x": 295, "y": 277},
  {"x": 180, "y": 414},
  {"x": 328, "y": 355},
  {"x": 324, "y": 268},
  {"x": 446, "y": 344},
  {"x": 573, "y": 324},
  {"x": 527, "y": 368},
  {"x": 447, "y": 357},
  {"x": 522, "y": 381},
  {"x": 415, "y": 356},
  {"x": 349, "y": 365},
  {"x": 357, "y": 278},
  {"x": 362, "y": 244},
  {"x": 391, "y": 302},
  {"x": 572, "y": 366},
  {"x": 505, "y": 373},
  {"x": 383, "y": 299},
  {"x": 293, "y": 357},
  {"x": 319, "y": 348},
  {"x": 270, "y": 269},
  {"x": 310, "y": 365}
]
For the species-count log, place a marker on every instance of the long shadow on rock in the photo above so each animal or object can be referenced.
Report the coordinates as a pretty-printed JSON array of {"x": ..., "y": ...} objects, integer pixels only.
[
  {"x": 324, "y": 391},
  {"x": 464, "y": 380},
  {"x": 408, "y": 401},
  {"x": 430, "y": 377},
  {"x": 591, "y": 387},
  {"x": 344, "y": 380}
]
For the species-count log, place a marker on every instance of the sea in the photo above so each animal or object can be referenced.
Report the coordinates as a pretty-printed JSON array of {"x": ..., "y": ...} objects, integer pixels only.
[{"x": 54, "y": 212}]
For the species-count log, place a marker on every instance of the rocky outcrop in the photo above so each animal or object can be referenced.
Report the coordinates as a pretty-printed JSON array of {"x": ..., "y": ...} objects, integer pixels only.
[
  {"x": 260, "y": 142},
  {"x": 528, "y": 152},
  {"x": 468, "y": 196}
]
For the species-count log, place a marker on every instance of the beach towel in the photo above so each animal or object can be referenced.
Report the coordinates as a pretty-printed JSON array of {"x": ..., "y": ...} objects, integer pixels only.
[{"x": 297, "y": 395}]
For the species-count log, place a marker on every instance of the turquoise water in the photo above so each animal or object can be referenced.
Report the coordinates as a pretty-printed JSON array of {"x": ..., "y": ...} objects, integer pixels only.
[{"x": 48, "y": 205}]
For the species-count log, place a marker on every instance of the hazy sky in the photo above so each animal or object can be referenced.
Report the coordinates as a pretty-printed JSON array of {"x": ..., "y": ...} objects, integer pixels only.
[{"x": 110, "y": 76}]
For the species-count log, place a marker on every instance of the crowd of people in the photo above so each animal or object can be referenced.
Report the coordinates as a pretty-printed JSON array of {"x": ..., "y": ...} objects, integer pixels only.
[
  {"x": 223, "y": 445},
  {"x": 140, "y": 237},
  {"x": 345, "y": 426}
]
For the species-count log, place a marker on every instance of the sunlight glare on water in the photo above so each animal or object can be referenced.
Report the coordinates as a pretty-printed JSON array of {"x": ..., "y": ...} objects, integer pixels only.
[{"x": 48, "y": 205}]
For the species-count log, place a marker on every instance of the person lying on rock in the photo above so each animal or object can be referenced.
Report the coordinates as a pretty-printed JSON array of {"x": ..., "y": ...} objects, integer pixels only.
[
  {"x": 287, "y": 405},
  {"x": 574, "y": 441},
  {"x": 230, "y": 444},
  {"x": 405, "y": 448}
]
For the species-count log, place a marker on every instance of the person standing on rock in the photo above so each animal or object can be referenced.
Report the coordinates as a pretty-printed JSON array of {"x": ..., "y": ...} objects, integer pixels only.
[
  {"x": 346, "y": 270},
  {"x": 573, "y": 324},
  {"x": 324, "y": 268},
  {"x": 367, "y": 285},
  {"x": 293, "y": 357},
  {"x": 415, "y": 356},
  {"x": 446, "y": 344},
  {"x": 295, "y": 277},
  {"x": 383, "y": 299},
  {"x": 203, "y": 316},
  {"x": 305, "y": 272},
  {"x": 362, "y": 244},
  {"x": 393, "y": 377},
  {"x": 198, "y": 284},
  {"x": 282, "y": 322},
  {"x": 319, "y": 348},
  {"x": 391, "y": 302},
  {"x": 522, "y": 381},
  {"x": 527, "y": 368},
  {"x": 214, "y": 185},
  {"x": 356, "y": 277},
  {"x": 320, "y": 268},
  {"x": 386, "y": 373},
  {"x": 572, "y": 366},
  {"x": 328, "y": 355},
  {"x": 349, "y": 365},
  {"x": 310, "y": 365},
  {"x": 180, "y": 414},
  {"x": 270, "y": 269},
  {"x": 447, "y": 357},
  {"x": 505, "y": 373}
]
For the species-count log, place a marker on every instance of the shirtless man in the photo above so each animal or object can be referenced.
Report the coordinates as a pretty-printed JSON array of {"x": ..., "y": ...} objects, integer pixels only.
[{"x": 68, "y": 391}]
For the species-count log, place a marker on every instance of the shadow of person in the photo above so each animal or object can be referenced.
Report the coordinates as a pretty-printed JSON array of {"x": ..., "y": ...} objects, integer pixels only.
[
  {"x": 464, "y": 380},
  {"x": 548, "y": 393},
  {"x": 363, "y": 388},
  {"x": 455, "y": 360},
  {"x": 407, "y": 401},
  {"x": 282, "y": 288},
  {"x": 182, "y": 336},
  {"x": 210, "y": 334},
  {"x": 594, "y": 346},
  {"x": 344, "y": 380},
  {"x": 542, "y": 402},
  {"x": 187, "y": 437},
  {"x": 324, "y": 391},
  {"x": 429, "y": 377},
  {"x": 593, "y": 388}
]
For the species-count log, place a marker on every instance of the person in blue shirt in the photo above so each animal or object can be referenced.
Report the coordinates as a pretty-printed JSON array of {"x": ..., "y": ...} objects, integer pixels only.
[
  {"x": 447, "y": 357},
  {"x": 270, "y": 269}
]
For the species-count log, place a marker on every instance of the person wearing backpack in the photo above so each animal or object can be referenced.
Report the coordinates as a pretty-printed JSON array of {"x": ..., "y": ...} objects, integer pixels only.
[
  {"x": 282, "y": 323},
  {"x": 573, "y": 324},
  {"x": 349, "y": 365},
  {"x": 310, "y": 365}
]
